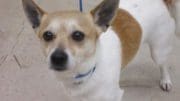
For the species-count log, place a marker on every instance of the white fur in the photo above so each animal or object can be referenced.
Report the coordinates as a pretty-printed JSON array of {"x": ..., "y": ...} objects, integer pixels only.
[
  {"x": 158, "y": 29},
  {"x": 54, "y": 25},
  {"x": 103, "y": 85}
]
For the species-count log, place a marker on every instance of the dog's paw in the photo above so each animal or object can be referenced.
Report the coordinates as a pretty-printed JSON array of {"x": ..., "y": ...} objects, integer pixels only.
[{"x": 166, "y": 85}]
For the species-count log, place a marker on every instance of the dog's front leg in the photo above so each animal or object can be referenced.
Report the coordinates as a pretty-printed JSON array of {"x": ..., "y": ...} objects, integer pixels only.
[
  {"x": 165, "y": 82},
  {"x": 160, "y": 56}
]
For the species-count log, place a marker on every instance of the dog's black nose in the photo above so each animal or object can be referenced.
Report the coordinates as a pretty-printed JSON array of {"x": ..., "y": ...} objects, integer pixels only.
[{"x": 59, "y": 60}]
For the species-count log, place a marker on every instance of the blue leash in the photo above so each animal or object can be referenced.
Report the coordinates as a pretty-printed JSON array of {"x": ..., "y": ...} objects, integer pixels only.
[{"x": 81, "y": 5}]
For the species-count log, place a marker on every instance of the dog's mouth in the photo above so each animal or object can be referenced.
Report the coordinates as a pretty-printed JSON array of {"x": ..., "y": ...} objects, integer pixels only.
[{"x": 58, "y": 68}]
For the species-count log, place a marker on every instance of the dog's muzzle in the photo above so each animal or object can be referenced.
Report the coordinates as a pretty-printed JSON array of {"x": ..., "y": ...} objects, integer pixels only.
[{"x": 59, "y": 60}]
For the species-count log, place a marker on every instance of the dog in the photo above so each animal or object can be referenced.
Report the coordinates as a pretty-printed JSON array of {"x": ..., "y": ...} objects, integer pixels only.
[{"x": 88, "y": 50}]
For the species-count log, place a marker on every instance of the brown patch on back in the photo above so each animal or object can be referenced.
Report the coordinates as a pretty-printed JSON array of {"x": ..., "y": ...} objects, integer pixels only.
[{"x": 129, "y": 32}]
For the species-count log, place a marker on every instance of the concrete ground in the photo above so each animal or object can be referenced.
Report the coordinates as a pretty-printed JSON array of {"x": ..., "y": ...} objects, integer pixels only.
[{"x": 24, "y": 75}]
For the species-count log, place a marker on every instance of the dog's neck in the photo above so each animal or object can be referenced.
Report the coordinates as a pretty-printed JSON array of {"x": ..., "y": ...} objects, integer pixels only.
[{"x": 82, "y": 77}]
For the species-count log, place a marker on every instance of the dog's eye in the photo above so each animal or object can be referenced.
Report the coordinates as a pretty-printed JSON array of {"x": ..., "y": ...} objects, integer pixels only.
[
  {"x": 48, "y": 36},
  {"x": 78, "y": 36}
]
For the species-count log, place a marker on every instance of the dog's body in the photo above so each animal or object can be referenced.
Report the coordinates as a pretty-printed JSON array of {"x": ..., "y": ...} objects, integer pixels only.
[
  {"x": 158, "y": 26},
  {"x": 87, "y": 54}
]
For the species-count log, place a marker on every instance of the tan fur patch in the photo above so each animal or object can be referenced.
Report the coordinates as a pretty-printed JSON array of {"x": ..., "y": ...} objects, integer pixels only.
[{"x": 129, "y": 32}]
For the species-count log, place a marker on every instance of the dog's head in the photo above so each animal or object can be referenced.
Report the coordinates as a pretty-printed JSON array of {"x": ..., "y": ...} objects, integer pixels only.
[{"x": 70, "y": 37}]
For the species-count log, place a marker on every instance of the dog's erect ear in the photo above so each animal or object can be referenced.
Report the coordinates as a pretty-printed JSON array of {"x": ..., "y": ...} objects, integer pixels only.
[
  {"x": 33, "y": 12},
  {"x": 104, "y": 13}
]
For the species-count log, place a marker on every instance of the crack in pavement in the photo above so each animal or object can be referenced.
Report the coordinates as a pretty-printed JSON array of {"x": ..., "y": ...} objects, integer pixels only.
[
  {"x": 3, "y": 59},
  {"x": 17, "y": 37},
  {"x": 15, "y": 44},
  {"x": 17, "y": 61}
]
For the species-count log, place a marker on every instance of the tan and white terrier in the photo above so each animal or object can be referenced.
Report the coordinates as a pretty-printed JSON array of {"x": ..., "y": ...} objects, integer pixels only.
[{"x": 87, "y": 50}]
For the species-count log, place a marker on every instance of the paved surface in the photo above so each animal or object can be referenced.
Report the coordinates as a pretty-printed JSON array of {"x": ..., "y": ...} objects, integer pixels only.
[{"x": 24, "y": 75}]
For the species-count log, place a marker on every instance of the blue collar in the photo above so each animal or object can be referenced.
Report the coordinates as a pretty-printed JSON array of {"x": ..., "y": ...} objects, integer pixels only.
[{"x": 89, "y": 73}]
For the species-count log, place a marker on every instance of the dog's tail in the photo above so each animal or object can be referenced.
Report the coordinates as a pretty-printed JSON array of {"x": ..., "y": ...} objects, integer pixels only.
[{"x": 174, "y": 8}]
